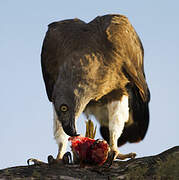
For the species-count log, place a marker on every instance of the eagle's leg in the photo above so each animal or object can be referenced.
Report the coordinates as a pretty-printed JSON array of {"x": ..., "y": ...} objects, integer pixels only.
[
  {"x": 118, "y": 112},
  {"x": 61, "y": 138}
]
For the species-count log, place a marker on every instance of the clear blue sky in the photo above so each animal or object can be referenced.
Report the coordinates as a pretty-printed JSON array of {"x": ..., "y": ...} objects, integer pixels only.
[{"x": 26, "y": 114}]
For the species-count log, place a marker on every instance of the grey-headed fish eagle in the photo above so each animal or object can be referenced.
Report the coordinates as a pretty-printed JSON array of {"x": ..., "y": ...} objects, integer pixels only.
[{"x": 96, "y": 68}]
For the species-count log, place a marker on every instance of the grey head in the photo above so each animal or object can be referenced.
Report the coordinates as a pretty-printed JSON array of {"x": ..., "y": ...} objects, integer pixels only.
[{"x": 73, "y": 90}]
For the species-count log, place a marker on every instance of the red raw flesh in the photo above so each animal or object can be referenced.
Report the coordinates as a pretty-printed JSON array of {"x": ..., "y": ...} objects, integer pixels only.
[{"x": 88, "y": 151}]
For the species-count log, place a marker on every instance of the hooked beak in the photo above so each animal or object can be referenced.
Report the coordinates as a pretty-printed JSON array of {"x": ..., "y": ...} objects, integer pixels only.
[{"x": 70, "y": 128}]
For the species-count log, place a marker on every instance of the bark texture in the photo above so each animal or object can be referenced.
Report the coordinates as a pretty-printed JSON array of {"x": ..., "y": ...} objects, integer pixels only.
[{"x": 158, "y": 167}]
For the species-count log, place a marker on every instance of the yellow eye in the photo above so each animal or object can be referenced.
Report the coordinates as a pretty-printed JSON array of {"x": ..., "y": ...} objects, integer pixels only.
[{"x": 64, "y": 108}]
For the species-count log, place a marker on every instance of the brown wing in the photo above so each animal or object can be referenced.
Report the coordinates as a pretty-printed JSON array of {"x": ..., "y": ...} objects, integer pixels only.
[
  {"x": 57, "y": 44},
  {"x": 127, "y": 49},
  {"x": 127, "y": 46}
]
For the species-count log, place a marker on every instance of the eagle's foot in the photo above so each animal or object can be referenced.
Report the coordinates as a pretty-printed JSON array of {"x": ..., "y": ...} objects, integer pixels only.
[
  {"x": 126, "y": 156},
  {"x": 67, "y": 159},
  {"x": 115, "y": 154}
]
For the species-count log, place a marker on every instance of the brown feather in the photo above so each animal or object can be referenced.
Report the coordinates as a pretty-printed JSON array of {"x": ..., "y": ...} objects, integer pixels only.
[{"x": 105, "y": 55}]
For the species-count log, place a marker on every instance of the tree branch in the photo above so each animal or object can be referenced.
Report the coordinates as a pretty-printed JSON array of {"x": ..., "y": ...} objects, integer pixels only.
[{"x": 161, "y": 166}]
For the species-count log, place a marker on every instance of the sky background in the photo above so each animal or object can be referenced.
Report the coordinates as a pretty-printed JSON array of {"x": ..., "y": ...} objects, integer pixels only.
[{"x": 25, "y": 112}]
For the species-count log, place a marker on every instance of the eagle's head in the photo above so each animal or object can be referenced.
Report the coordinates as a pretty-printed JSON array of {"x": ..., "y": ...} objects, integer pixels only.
[
  {"x": 75, "y": 86},
  {"x": 68, "y": 106},
  {"x": 70, "y": 97}
]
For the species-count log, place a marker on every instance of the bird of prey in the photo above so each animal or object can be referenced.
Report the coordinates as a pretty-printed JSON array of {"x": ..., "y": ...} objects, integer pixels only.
[{"x": 96, "y": 68}]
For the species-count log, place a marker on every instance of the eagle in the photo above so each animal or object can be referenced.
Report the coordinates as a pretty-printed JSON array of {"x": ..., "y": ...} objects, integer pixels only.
[{"x": 96, "y": 68}]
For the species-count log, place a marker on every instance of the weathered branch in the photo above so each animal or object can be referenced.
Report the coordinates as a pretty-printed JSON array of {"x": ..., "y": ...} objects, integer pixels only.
[{"x": 162, "y": 166}]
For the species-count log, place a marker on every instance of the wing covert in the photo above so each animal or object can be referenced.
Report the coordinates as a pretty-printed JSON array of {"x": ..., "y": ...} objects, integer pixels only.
[
  {"x": 127, "y": 48},
  {"x": 57, "y": 44}
]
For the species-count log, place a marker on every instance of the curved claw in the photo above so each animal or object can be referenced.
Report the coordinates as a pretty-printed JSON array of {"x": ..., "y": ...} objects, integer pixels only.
[
  {"x": 51, "y": 160},
  {"x": 35, "y": 161},
  {"x": 110, "y": 159},
  {"x": 67, "y": 158}
]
